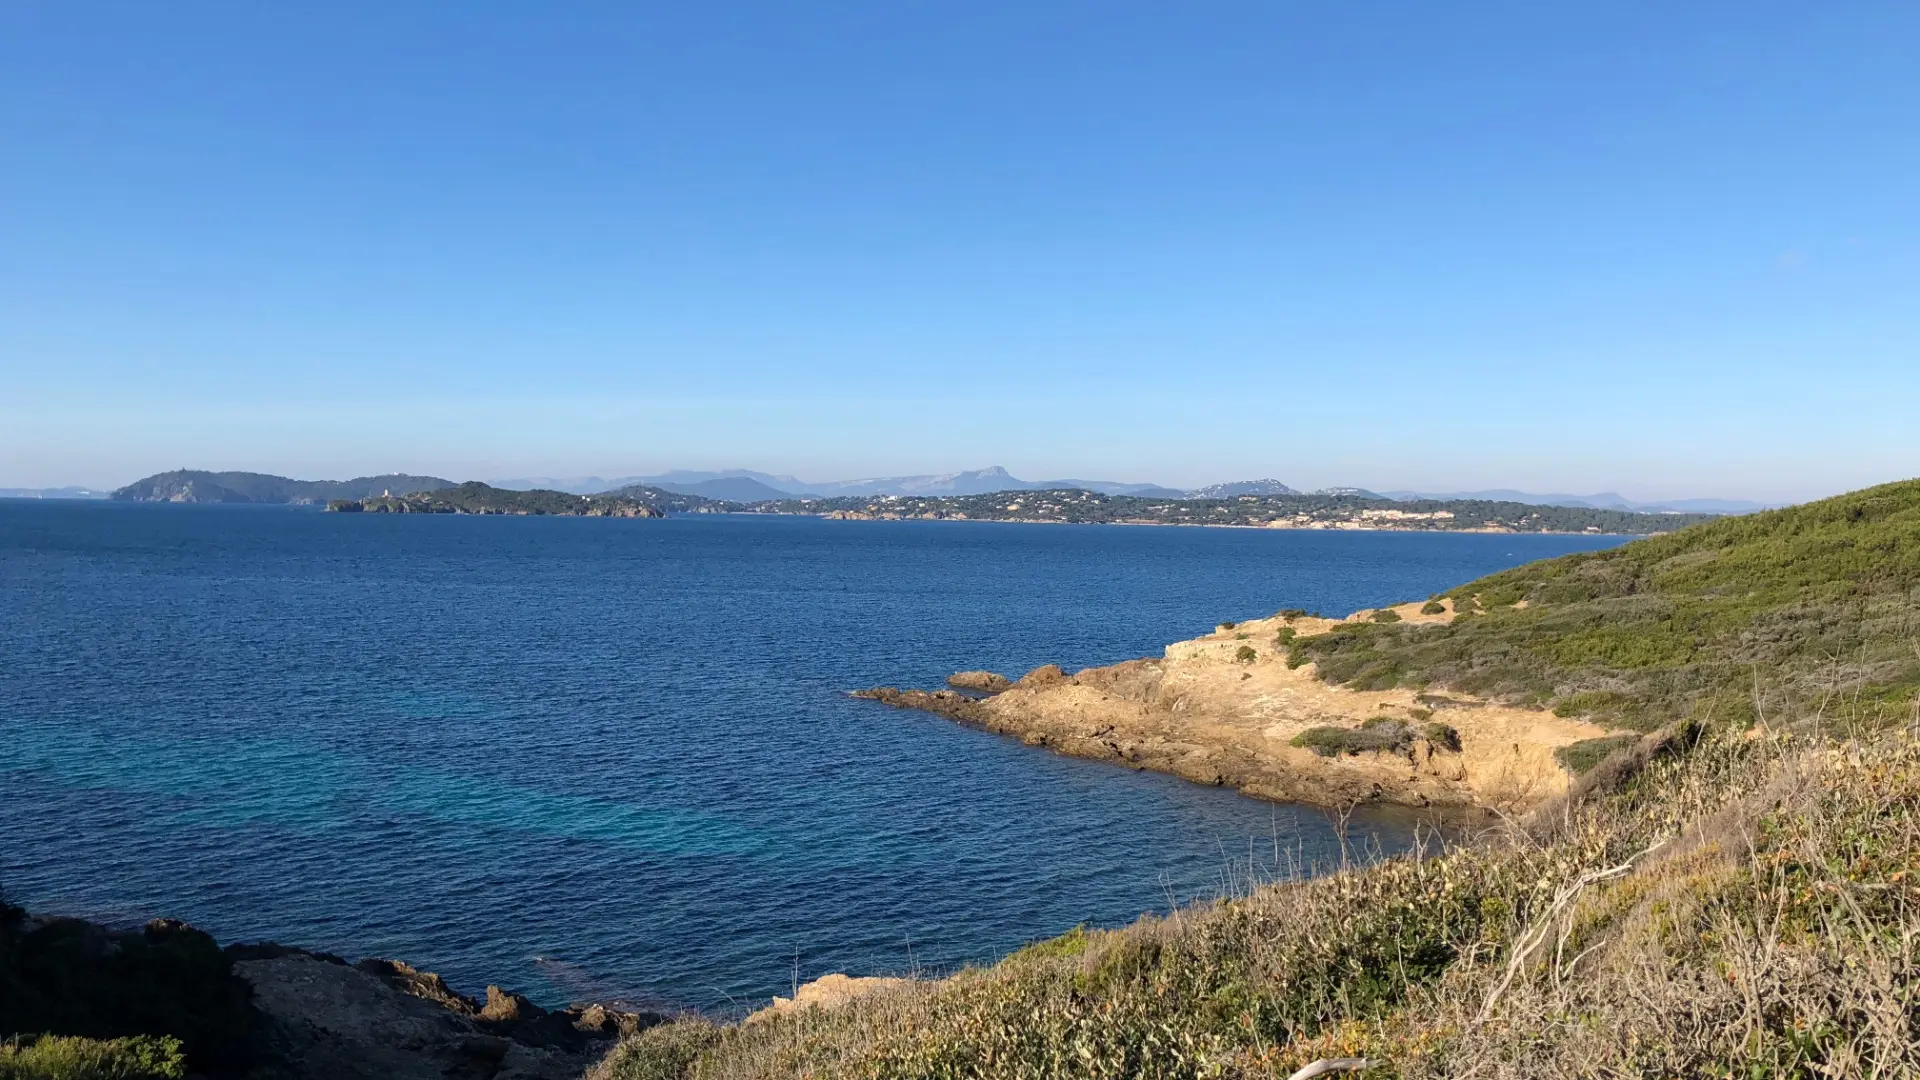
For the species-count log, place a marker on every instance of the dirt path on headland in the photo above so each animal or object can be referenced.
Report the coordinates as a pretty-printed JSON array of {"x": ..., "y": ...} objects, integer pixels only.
[{"x": 1209, "y": 712}]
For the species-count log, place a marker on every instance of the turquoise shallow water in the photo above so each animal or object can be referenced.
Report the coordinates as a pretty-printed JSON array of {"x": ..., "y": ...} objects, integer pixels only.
[{"x": 614, "y": 759}]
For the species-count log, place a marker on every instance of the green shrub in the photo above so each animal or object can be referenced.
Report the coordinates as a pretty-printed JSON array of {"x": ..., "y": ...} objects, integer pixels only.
[
  {"x": 1580, "y": 758},
  {"x": 1433, "y": 607},
  {"x": 1293, "y": 613},
  {"x": 1375, "y": 733},
  {"x": 1586, "y": 702},
  {"x": 1225, "y": 626},
  {"x": 62, "y": 1057},
  {"x": 1245, "y": 654},
  {"x": 1385, "y": 615},
  {"x": 1284, "y": 635},
  {"x": 1444, "y": 736}
]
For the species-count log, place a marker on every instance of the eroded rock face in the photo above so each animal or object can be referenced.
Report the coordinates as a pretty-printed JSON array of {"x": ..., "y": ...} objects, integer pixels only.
[
  {"x": 826, "y": 992},
  {"x": 986, "y": 682}
]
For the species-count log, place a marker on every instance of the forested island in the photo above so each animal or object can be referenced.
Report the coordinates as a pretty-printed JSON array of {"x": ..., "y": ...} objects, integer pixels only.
[
  {"x": 474, "y": 497},
  {"x": 201, "y": 486}
]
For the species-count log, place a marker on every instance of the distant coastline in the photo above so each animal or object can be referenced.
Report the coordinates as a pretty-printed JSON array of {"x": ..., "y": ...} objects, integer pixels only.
[{"x": 1272, "y": 508}]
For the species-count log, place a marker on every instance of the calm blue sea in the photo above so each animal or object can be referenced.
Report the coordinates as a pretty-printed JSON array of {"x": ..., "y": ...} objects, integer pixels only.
[{"x": 613, "y": 759}]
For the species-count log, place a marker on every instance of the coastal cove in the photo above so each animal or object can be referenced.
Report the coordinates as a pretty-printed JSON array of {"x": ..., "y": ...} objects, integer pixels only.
[{"x": 368, "y": 734}]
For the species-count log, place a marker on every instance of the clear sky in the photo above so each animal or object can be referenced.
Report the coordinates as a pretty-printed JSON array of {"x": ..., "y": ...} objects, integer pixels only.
[{"x": 1671, "y": 249}]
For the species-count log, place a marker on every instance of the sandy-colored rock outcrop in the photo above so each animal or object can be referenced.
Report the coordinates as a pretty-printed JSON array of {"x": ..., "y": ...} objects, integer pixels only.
[
  {"x": 826, "y": 992},
  {"x": 1225, "y": 708}
]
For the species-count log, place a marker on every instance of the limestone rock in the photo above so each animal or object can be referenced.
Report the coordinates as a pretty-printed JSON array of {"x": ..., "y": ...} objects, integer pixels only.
[{"x": 986, "y": 682}]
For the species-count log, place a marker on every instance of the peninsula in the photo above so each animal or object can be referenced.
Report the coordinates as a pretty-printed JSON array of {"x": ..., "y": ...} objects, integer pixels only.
[{"x": 1495, "y": 693}]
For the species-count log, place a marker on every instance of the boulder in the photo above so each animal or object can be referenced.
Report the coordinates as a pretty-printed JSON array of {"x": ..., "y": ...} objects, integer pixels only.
[
  {"x": 986, "y": 682},
  {"x": 1044, "y": 675}
]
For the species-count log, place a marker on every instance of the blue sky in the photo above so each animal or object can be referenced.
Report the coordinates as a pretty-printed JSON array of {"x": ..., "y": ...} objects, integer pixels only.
[{"x": 1668, "y": 249}]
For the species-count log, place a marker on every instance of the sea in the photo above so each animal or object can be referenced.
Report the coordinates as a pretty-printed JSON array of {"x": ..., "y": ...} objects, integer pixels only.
[{"x": 615, "y": 760}]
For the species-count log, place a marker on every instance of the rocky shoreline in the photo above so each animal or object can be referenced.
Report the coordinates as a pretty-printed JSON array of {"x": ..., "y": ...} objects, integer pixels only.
[{"x": 1226, "y": 709}]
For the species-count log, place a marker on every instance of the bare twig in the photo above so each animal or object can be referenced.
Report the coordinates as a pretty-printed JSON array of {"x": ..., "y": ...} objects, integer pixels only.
[
  {"x": 1331, "y": 1065},
  {"x": 1536, "y": 934}
]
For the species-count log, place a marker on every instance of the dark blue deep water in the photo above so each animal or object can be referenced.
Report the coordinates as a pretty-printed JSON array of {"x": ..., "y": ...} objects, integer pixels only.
[{"x": 613, "y": 759}]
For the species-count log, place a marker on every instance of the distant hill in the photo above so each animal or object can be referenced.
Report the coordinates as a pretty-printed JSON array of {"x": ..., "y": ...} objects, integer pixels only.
[
  {"x": 1241, "y": 487},
  {"x": 1605, "y": 500},
  {"x": 728, "y": 488},
  {"x": 985, "y": 481},
  {"x": 196, "y": 486},
  {"x": 52, "y": 493}
]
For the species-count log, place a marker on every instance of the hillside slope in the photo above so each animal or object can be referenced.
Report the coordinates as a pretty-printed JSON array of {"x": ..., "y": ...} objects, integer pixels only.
[
  {"x": 1812, "y": 604},
  {"x": 1734, "y": 894}
]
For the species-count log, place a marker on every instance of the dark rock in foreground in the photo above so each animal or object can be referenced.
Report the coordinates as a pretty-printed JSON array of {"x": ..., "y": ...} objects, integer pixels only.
[{"x": 261, "y": 1011}]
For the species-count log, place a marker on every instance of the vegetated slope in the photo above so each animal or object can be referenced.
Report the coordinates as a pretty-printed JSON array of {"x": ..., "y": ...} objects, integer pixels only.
[
  {"x": 194, "y": 485},
  {"x": 1732, "y": 895},
  {"x": 1811, "y": 604}
]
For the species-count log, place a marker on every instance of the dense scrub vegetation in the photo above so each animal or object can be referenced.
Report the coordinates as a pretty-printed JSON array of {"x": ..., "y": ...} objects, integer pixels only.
[{"x": 1815, "y": 604}]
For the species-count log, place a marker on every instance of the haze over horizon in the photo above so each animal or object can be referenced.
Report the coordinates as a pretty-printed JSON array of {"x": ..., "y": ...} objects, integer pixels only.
[{"x": 1662, "y": 251}]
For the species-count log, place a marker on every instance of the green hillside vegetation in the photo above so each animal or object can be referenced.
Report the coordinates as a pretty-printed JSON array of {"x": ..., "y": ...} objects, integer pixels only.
[
  {"x": 474, "y": 497},
  {"x": 193, "y": 485},
  {"x": 1736, "y": 894},
  {"x": 1792, "y": 611}
]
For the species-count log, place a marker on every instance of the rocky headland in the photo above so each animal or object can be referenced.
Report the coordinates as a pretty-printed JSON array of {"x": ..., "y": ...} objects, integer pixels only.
[{"x": 1229, "y": 708}]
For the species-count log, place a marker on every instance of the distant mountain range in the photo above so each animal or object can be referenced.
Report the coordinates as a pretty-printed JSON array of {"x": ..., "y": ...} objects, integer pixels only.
[
  {"x": 748, "y": 486},
  {"x": 1605, "y": 500},
  {"x": 195, "y": 486},
  {"x": 51, "y": 493}
]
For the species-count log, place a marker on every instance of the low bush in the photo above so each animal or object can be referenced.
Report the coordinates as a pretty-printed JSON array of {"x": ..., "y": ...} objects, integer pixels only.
[
  {"x": 1374, "y": 733},
  {"x": 1385, "y": 615},
  {"x": 1580, "y": 758},
  {"x": 1433, "y": 607},
  {"x": 62, "y": 1057},
  {"x": 1245, "y": 654},
  {"x": 1444, "y": 736}
]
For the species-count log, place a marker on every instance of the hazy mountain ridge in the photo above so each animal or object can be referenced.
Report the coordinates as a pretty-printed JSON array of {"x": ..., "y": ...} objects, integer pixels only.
[
  {"x": 71, "y": 491},
  {"x": 1605, "y": 500}
]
